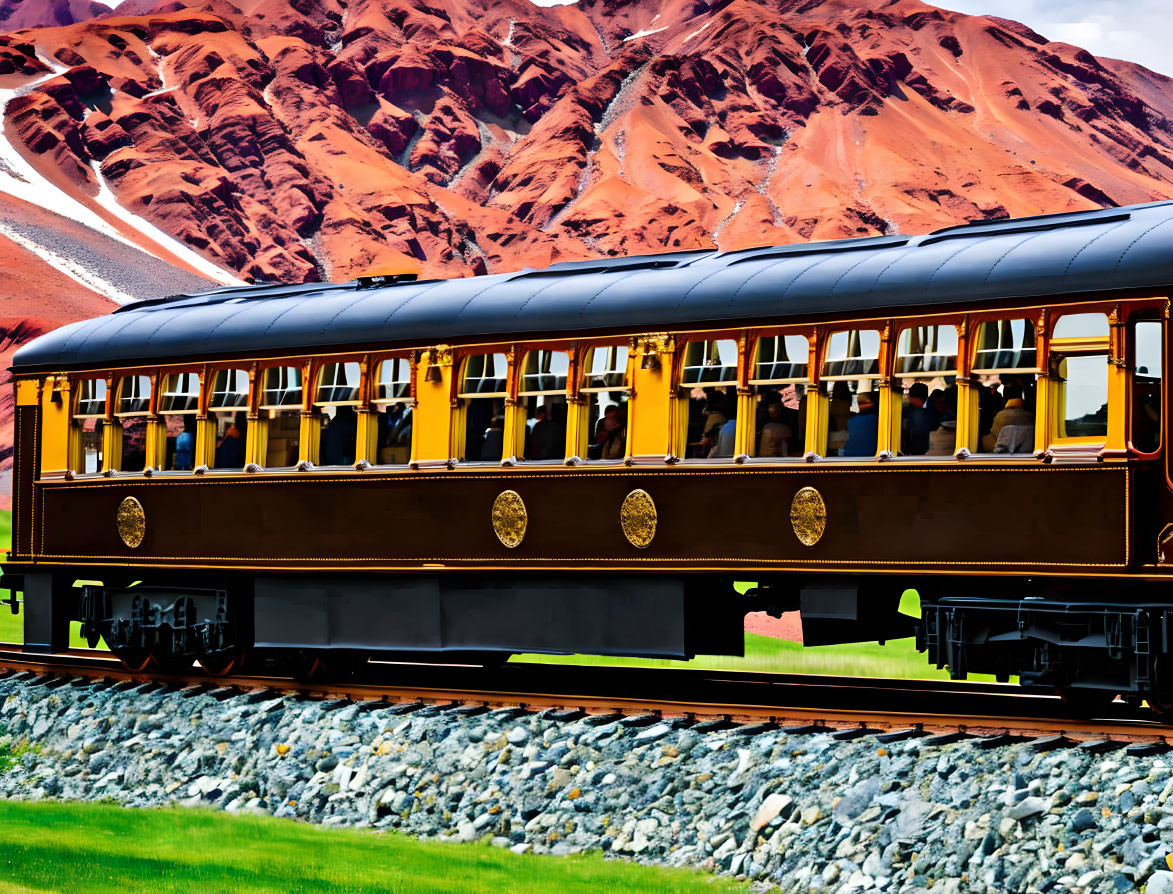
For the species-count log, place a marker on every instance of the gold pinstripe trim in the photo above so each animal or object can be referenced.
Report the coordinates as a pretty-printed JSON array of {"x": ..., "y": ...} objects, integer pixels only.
[
  {"x": 836, "y": 563},
  {"x": 1034, "y": 466}
]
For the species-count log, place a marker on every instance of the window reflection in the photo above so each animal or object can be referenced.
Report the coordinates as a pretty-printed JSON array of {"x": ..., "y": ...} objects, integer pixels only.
[
  {"x": 229, "y": 394},
  {"x": 134, "y": 401},
  {"x": 1083, "y": 396},
  {"x": 336, "y": 406},
  {"x": 778, "y": 383},
  {"x": 280, "y": 412},
  {"x": 1082, "y": 326},
  {"x": 851, "y": 372},
  {"x": 394, "y": 411},
  {"x": 605, "y": 389},
  {"x": 88, "y": 422},
  {"x": 1146, "y": 387},
  {"x": 543, "y": 395},
  {"x": 709, "y": 381},
  {"x": 483, "y": 391},
  {"x": 178, "y": 406},
  {"x": 1005, "y": 379},
  {"x": 926, "y": 367}
]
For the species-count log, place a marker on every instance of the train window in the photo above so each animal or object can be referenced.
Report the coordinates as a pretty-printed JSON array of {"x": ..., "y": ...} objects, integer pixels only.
[
  {"x": 280, "y": 410},
  {"x": 88, "y": 421},
  {"x": 1005, "y": 382},
  {"x": 543, "y": 395},
  {"x": 708, "y": 380},
  {"x": 778, "y": 374},
  {"x": 282, "y": 387},
  {"x": 926, "y": 368},
  {"x": 483, "y": 389},
  {"x": 229, "y": 389},
  {"x": 1146, "y": 386},
  {"x": 710, "y": 363},
  {"x": 1005, "y": 345},
  {"x": 851, "y": 371},
  {"x": 227, "y": 410},
  {"x": 336, "y": 407},
  {"x": 1082, "y": 326},
  {"x": 179, "y": 400},
  {"x": 394, "y": 409},
  {"x": 606, "y": 390},
  {"x": 1083, "y": 395},
  {"x": 132, "y": 409}
]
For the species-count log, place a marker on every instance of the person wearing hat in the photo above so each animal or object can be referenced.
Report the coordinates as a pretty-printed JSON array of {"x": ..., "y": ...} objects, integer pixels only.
[
  {"x": 863, "y": 428},
  {"x": 1013, "y": 413}
]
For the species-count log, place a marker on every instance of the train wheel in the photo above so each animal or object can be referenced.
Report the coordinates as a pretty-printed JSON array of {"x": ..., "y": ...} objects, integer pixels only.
[
  {"x": 1161, "y": 702},
  {"x": 1086, "y": 701},
  {"x": 134, "y": 660},
  {"x": 221, "y": 664}
]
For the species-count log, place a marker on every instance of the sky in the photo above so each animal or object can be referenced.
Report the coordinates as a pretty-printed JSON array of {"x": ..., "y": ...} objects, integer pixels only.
[{"x": 1135, "y": 30}]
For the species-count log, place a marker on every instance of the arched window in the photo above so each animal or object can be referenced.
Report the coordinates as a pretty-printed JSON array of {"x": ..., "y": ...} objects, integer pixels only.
[
  {"x": 607, "y": 392},
  {"x": 394, "y": 410},
  {"x": 228, "y": 412},
  {"x": 336, "y": 402},
  {"x": 179, "y": 399},
  {"x": 88, "y": 420},
  {"x": 708, "y": 381},
  {"x": 543, "y": 395},
  {"x": 482, "y": 393},
  {"x": 926, "y": 368},
  {"x": 778, "y": 377},
  {"x": 131, "y": 410},
  {"x": 851, "y": 371},
  {"x": 1003, "y": 345},
  {"x": 280, "y": 413}
]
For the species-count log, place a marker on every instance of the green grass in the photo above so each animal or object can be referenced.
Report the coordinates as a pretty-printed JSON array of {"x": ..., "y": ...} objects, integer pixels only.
[
  {"x": 897, "y": 659},
  {"x": 50, "y": 846}
]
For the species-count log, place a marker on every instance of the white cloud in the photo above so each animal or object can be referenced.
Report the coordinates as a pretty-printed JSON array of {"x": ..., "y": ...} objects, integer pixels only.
[{"x": 1124, "y": 29}]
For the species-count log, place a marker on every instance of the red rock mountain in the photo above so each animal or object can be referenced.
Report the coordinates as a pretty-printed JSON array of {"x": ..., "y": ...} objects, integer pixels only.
[{"x": 303, "y": 139}]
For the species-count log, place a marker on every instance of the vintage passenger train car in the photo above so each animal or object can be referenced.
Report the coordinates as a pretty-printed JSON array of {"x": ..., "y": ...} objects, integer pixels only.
[{"x": 587, "y": 458}]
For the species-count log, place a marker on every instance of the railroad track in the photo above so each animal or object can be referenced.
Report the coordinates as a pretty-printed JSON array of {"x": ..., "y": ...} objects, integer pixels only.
[{"x": 847, "y": 706}]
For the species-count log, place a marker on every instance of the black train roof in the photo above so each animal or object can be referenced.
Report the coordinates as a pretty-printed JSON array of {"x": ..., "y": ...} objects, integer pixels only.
[{"x": 1119, "y": 249}]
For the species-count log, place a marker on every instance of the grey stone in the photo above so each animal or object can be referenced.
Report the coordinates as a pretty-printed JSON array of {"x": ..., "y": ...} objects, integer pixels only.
[
  {"x": 1026, "y": 808},
  {"x": 1160, "y": 882},
  {"x": 1083, "y": 820},
  {"x": 519, "y": 735}
]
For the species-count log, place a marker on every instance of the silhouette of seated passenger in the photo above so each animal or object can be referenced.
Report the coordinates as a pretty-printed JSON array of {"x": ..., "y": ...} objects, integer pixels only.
[{"x": 863, "y": 428}]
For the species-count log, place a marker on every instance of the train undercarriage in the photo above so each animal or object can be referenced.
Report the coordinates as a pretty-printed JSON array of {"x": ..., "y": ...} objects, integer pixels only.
[{"x": 1051, "y": 633}]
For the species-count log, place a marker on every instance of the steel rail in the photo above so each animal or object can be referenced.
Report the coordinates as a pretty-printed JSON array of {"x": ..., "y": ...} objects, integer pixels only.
[{"x": 844, "y": 704}]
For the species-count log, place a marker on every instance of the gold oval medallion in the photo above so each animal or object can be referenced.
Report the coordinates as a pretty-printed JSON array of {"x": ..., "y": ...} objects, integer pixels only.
[
  {"x": 509, "y": 518},
  {"x": 131, "y": 522},
  {"x": 637, "y": 517},
  {"x": 808, "y": 516}
]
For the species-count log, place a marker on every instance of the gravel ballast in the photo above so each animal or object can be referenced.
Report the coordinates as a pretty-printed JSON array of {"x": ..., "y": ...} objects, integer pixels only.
[{"x": 796, "y": 811}]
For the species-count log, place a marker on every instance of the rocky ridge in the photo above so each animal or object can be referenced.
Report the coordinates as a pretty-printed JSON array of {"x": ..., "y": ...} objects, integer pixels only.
[
  {"x": 796, "y": 812},
  {"x": 332, "y": 137}
]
